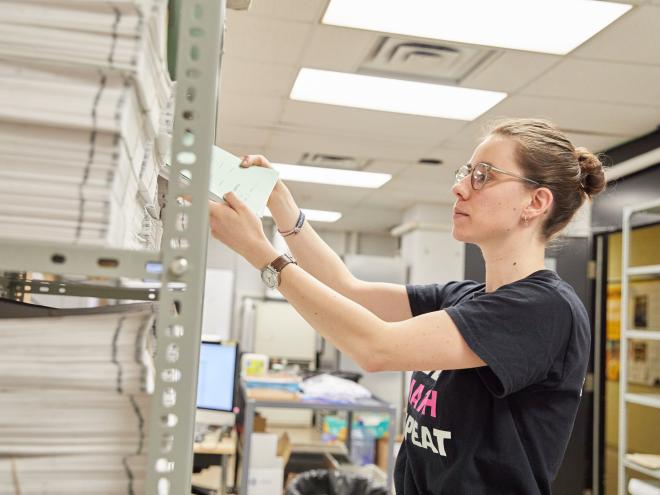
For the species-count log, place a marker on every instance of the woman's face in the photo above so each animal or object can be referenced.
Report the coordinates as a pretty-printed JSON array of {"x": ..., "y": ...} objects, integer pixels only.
[{"x": 493, "y": 212}]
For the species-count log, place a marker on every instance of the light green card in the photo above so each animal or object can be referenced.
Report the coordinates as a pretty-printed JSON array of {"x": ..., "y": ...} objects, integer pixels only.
[{"x": 252, "y": 185}]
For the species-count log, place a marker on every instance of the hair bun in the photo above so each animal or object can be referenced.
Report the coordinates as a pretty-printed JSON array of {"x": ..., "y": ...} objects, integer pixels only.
[{"x": 592, "y": 175}]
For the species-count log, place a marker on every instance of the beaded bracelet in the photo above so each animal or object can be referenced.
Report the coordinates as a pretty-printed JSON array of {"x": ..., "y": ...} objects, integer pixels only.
[{"x": 299, "y": 225}]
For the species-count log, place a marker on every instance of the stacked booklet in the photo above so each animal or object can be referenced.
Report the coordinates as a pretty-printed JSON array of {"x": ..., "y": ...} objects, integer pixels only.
[
  {"x": 83, "y": 85},
  {"x": 75, "y": 388}
]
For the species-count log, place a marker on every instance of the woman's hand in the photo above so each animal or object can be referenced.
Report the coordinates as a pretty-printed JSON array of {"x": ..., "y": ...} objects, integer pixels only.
[
  {"x": 235, "y": 225},
  {"x": 262, "y": 161},
  {"x": 280, "y": 202}
]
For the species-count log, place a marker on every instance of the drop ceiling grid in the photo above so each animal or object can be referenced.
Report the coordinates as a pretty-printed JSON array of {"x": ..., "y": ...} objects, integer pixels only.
[{"x": 590, "y": 91}]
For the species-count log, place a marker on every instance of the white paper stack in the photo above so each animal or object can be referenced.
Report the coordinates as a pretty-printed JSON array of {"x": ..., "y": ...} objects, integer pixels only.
[
  {"x": 75, "y": 390},
  {"x": 83, "y": 84}
]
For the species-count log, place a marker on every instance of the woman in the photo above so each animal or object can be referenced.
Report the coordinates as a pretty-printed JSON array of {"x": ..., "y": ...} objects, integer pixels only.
[{"x": 513, "y": 351}]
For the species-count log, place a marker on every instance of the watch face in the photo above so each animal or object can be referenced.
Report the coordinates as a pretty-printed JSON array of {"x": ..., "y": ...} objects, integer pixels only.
[{"x": 269, "y": 276}]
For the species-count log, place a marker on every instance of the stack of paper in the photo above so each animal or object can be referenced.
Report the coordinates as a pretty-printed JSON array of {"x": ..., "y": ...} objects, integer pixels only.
[
  {"x": 75, "y": 389},
  {"x": 83, "y": 85}
]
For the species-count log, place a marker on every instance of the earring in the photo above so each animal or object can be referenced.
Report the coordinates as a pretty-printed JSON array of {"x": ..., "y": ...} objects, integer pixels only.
[{"x": 525, "y": 220}]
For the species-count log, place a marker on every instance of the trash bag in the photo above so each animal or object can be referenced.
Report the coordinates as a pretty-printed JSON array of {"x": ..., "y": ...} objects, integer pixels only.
[{"x": 332, "y": 482}]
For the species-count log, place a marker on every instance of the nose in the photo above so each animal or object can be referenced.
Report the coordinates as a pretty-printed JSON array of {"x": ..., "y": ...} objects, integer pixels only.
[{"x": 462, "y": 188}]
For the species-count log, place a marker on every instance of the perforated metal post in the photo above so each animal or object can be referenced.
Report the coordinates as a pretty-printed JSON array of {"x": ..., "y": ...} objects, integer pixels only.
[{"x": 184, "y": 249}]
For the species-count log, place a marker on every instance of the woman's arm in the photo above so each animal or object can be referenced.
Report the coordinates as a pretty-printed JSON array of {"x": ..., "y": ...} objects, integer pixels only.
[
  {"x": 388, "y": 301},
  {"x": 429, "y": 341}
]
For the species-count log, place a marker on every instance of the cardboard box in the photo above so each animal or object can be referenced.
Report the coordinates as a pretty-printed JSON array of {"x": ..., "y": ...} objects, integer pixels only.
[
  {"x": 381, "y": 450},
  {"x": 268, "y": 457},
  {"x": 266, "y": 480},
  {"x": 259, "y": 424}
]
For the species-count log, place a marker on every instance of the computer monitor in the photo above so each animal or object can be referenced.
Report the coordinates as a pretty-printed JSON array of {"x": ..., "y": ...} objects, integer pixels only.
[{"x": 216, "y": 383}]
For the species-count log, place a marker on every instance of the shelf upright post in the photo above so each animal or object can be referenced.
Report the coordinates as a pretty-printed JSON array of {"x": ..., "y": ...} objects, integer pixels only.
[
  {"x": 623, "y": 351},
  {"x": 184, "y": 243}
]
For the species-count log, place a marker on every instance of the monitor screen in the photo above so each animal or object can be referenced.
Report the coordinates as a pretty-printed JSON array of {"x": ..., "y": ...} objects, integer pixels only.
[{"x": 217, "y": 374}]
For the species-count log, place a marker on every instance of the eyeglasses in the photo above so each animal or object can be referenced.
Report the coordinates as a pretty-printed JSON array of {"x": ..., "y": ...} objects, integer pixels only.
[{"x": 480, "y": 174}]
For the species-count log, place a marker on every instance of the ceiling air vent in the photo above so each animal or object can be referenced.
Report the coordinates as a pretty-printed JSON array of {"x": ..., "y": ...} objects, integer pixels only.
[
  {"x": 332, "y": 161},
  {"x": 425, "y": 60},
  {"x": 430, "y": 161}
]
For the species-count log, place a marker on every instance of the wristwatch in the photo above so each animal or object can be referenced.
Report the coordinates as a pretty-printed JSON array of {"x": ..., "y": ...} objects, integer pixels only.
[{"x": 270, "y": 274}]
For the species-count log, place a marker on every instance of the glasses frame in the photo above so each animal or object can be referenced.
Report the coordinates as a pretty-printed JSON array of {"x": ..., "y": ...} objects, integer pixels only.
[{"x": 461, "y": 174}]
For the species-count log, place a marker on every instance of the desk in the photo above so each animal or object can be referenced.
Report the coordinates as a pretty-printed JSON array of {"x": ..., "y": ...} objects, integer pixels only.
[
  {"x": 369, "y": 405},
  {"x": 213, "y": 446}
]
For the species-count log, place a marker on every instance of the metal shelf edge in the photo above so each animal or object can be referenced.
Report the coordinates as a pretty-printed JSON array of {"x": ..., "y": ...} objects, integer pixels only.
[
  {"x": 643, "y": 334},
  {"x": 655, "y": 473},
  {"x": 73, "y": 259},
  {"x": 650, "y": 400}
]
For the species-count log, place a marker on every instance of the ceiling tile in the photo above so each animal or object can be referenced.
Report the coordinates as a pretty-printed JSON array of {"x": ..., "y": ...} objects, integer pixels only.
[
  {"x": 635, "y": 37},
  {"x": 325, "y": 196},
  {"x": 596, "y": 143},
  {"x": 366, "y": 219},
  {"x": 585, "y": 116},
  {"x": 600, "y": 81},
  {"x": 468, "y": 139},
  {"x": 239, "y": 149},
  {"x": 251, "y": 137},
  {"x": 510, "y": 70},
  {"x": 249, "y": 77},
  {"x": 368, "y": 123},
  {"x": 266, "y": 40},
  {"x": 338, "y": 142},
  {"x": 294, "y": 10},
  {"x": 336, "y": 48},
  {"x": 386, "y": 167},
  {"x": 235, "y": 108}
]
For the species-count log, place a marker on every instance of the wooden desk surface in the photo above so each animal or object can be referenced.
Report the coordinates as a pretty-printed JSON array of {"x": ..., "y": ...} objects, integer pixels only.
[{"x": 211, "y": 445}]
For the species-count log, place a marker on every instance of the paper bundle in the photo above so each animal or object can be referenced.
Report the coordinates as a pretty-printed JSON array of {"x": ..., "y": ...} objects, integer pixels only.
[
  {"x": 75, "y": 390},
  {"x": 83, "y": 85}
]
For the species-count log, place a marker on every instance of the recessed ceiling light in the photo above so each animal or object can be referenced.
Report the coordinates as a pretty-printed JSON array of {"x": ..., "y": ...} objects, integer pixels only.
[
  {"x": 315, "y": 215},
  {"x": 332, "y": 176},
  {"x": 392, "y": 95},
  {"x": 547, "y": 26}
]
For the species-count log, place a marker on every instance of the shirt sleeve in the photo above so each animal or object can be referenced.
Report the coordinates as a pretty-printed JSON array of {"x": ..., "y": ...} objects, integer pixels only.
[
  {"x": 434, "y": 297},
  {"x": 518, "y": 331}
]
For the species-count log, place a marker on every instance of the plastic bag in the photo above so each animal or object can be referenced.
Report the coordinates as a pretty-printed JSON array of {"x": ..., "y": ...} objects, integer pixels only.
[{"x": 332, "y": 482}]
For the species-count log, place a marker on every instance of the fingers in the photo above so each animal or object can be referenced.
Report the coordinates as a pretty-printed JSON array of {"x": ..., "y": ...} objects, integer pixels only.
[
  {"x": 234, "y": 202},
  {"x": 255, "y": 160}
]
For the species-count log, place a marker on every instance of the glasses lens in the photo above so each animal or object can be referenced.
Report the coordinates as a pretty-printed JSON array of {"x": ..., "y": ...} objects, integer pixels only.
[
  {"x": 461, "y": 173},
  {"x": 479, "y": 176}
]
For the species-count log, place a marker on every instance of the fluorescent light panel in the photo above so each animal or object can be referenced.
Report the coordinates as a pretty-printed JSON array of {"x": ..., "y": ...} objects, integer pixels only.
[
  {"x": 332, "y": 176},
  {"x": 315, "y": 215},
  {"x": 392, "y": 95},
  {"x": 547, "y": 26}
]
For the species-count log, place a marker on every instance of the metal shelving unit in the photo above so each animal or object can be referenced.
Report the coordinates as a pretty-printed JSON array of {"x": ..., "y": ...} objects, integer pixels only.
[
  {"x": 180, "y": 264},
  {"x": 373, "y": 404},
  {"x": 629, "y": 273}
]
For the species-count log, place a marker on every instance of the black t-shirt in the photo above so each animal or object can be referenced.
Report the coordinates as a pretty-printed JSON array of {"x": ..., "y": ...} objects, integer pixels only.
[{"x": 502, "y": 428}]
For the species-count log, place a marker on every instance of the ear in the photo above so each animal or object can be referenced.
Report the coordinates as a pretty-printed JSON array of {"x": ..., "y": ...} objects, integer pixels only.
[{"x": 540, "y": 203}]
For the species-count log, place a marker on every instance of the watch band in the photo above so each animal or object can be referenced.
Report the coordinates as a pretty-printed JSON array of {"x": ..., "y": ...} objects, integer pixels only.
[{"x": 281, "y": 261}]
